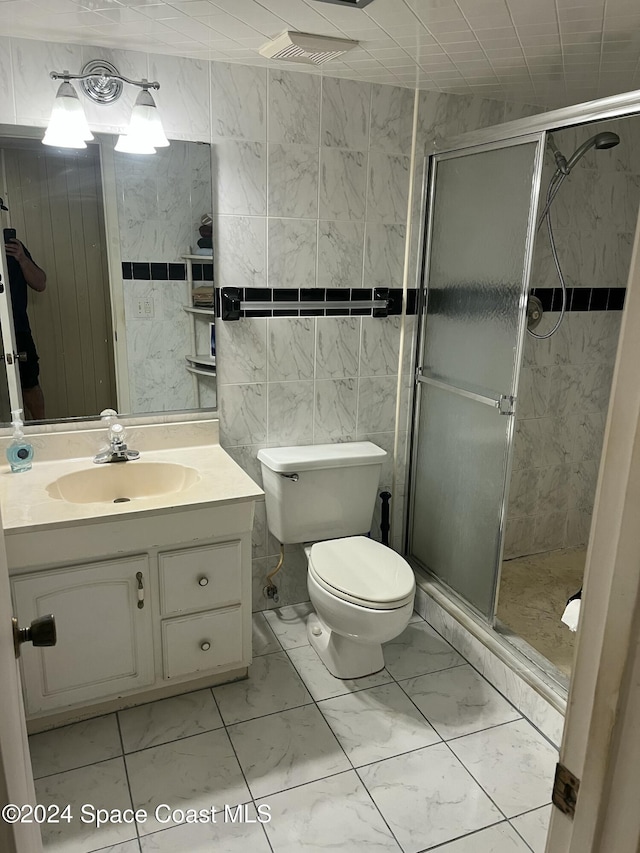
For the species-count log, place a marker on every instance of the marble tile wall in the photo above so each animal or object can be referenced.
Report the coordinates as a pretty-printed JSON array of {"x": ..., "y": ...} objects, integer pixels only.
[
  {"x": 311, "y": 179},
  {"x": 566, "y": 380}
]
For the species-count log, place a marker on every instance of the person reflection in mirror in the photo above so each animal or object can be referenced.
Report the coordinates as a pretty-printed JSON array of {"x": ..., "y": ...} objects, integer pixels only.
[{"x": 24, "y": 273}]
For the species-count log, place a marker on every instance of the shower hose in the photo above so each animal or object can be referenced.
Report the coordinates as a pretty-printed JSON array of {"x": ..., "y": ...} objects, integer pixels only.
[{"x": 554, "y": 185}]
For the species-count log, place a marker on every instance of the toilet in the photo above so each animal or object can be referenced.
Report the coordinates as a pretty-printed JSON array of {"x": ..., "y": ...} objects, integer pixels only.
[{"x": 324, "y": 495}]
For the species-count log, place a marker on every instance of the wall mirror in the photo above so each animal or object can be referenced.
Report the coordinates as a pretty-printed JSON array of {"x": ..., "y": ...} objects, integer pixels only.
[{"x": 126, "y": 319}]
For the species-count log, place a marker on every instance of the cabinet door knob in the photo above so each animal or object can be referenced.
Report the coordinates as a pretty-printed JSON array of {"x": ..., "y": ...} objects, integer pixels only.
[
  {"x": 41, "y": 632},
  {"x": 203, "y": 580},
  {"x": 205, "y": 646}
]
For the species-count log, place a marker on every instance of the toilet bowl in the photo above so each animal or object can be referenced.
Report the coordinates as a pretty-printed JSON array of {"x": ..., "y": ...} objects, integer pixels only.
[
  {"x": 363, "y": 595},
  {"x": 362, "y": 591}
]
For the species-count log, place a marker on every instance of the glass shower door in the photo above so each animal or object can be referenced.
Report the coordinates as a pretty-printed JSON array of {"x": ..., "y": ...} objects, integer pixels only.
[{"x": 481, "y": 228}]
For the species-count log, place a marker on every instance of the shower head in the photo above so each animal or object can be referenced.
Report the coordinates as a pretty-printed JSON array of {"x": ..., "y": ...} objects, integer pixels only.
[
  {"x": 606, "y": 140},
  {"x": 601, "y": 141}
]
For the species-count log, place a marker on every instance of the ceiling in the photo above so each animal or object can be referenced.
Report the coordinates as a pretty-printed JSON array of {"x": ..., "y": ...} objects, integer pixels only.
[{"x": 547, "y": 52}]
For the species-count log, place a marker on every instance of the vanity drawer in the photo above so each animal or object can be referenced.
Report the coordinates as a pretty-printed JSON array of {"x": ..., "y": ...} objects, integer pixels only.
[
  {"x": 200, "y": 578},
  {"x": 203, "y": 642}
]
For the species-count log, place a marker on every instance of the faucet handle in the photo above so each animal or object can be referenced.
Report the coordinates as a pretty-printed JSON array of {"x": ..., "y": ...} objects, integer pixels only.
[
  {"x": 116, "y": 433},
  {"x": 108, "y": 414}
]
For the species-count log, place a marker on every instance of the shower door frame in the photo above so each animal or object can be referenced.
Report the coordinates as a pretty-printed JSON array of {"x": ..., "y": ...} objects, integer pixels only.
[
  {"x": 428, "y": 200},
  {"x": 602, "y": 109}
]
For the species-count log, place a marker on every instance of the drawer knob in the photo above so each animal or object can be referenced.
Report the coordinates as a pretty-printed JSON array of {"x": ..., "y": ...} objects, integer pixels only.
[
  {"x": 203, "y": 580},
  {"x": 205, "y": 646}
]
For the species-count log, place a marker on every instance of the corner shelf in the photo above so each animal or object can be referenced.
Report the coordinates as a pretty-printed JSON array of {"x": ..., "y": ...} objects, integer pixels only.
[
  {"x": 198, "y": 372},
  {"x": 202, "y": 360},
  {"x": 197, "y": 365}
]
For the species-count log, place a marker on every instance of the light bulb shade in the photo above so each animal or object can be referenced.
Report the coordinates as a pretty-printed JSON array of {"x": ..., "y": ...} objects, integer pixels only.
[
  {"x": 68, "y": 127},
  {"x": 131, "y": 145},
  {"x": 145, "y": 122}
]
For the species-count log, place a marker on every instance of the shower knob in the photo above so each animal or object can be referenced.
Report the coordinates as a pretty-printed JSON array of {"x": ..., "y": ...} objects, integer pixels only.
[{"x": 534, "y": 312}]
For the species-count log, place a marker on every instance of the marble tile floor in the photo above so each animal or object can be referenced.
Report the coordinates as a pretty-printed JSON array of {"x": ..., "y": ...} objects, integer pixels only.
[
  {"x": 423, "y": 756},
  {"x": 533, "y": 594}
]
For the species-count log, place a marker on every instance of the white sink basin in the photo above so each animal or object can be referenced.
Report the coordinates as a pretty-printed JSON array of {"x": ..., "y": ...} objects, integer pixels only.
[{"x": 120, "y": 482}]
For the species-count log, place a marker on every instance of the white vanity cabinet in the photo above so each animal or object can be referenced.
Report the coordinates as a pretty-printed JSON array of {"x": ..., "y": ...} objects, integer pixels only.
[
  {"x": 190, "y": 571},
  {"x": 105, "y": 642}
]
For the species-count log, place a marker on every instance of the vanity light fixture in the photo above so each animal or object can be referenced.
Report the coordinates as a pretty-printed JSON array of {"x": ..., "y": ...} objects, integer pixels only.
[{"x": 102, "y": 83}]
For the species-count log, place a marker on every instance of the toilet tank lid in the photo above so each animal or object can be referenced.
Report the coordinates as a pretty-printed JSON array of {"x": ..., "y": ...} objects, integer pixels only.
[{"x": 288, "y": 460}]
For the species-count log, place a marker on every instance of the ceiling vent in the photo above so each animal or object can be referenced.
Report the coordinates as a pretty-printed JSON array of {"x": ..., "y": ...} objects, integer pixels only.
[
  {"x": 353, "y": 4},
  {"x": 306, "y": 47}
]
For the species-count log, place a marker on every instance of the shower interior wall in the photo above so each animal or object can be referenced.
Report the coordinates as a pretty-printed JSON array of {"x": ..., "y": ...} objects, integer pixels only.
[{"x": 566, "y": 380}]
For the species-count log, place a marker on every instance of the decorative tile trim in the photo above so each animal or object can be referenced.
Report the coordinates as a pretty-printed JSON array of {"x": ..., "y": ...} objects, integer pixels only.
[
  {"x": 582, "y": 298},
  {"x": 336, "y": 295},
  {"x": 152, "y": 271}
]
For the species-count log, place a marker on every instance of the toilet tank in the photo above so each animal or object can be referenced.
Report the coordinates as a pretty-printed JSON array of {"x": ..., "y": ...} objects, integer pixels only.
[{"x": 320, "y": 491}]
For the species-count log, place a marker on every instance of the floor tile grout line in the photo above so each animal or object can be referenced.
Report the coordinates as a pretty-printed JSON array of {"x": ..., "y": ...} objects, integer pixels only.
[
  {"x": 504, "y": 696},
  {"x": 79, "y": 767},
  {"x": 246, "y": 781},
  {"x": 173, "y": 740},
  {"x": 457, "y": 737},
  {"x": 126, "y": 773},
  {"x": 519, "y": 834},
  {"x": 444, "y": 844},
  {"x": 531, "y": 811},
  {"x": 466, "y": 769},
  {"x": 74, "y": 723},
  {"x": 377, "y": 808}
]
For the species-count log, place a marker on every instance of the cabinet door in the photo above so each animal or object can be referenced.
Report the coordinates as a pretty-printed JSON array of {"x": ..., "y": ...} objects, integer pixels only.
[{"x": 105, "y": 643}]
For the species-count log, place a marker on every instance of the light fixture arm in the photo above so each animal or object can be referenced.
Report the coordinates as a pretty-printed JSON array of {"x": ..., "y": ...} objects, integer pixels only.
[
  {"x": 143, "y": 84},
  {"x": 101, "y": 81}
]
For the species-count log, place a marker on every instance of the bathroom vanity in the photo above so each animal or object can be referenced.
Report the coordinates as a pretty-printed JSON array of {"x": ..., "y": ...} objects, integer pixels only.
[{"x": 151, "y": 595}]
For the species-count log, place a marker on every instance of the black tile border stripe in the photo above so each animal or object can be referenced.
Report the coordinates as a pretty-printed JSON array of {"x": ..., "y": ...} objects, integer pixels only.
[
  {"x": 578, "y": 298},
  {"x": 582, "y": 298},
  {"x": 161, "y": 271}
]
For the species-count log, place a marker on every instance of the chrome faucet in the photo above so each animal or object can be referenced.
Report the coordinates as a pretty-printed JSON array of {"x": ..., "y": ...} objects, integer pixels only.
[{"x": 117, "y": 450}]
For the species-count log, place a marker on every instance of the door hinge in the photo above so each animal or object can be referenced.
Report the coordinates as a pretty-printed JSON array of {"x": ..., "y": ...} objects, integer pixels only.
[
  {"x": 565, "y": 791},
  {"x": 506, "y": 404}
]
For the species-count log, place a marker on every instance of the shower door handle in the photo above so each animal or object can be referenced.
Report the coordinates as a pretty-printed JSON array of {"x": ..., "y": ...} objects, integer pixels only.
[{"x": 505, "y": 403}]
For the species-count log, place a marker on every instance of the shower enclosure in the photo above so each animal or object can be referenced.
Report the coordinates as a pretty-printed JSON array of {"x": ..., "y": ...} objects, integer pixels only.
[
  {"x": 483, "y": 204},
  {"x": 476, "y": 363}
]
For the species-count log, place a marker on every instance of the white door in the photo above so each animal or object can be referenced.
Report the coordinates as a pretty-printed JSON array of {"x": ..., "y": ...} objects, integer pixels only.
[
  {"x": 601, "y": 742},
  {"x": 16, "y": 779}
]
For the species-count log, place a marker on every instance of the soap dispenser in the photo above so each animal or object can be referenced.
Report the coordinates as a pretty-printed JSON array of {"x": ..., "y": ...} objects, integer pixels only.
[{"x": 19, "y": 452}]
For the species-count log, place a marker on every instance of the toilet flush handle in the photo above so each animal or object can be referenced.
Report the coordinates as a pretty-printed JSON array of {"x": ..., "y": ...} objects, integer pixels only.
[{"x": 293, "y": 477}]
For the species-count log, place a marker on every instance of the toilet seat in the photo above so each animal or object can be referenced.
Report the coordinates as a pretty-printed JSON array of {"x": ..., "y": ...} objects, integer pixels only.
[{"x": 362, "y": 571}]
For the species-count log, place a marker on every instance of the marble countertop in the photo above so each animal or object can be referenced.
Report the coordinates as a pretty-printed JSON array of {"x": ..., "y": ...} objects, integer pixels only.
[{"x": 27, "y": 503}]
